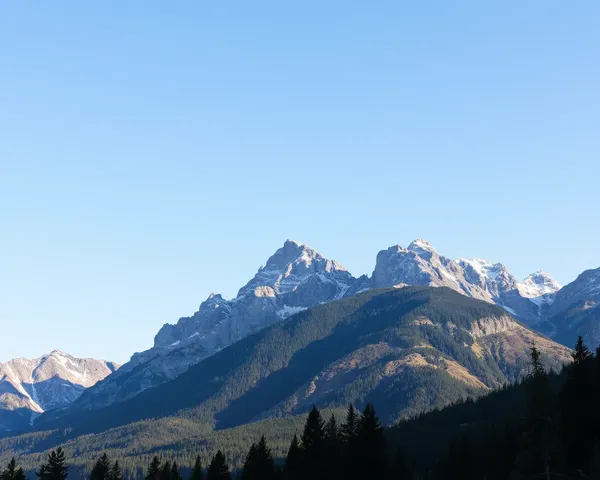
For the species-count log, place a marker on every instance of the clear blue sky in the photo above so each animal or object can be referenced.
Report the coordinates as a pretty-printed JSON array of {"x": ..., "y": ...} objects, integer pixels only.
[{"x": 153, "y": 152}]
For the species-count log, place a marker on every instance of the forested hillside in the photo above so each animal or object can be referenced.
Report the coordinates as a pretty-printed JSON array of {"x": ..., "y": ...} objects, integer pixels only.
[
  {"x": 546, "y": 426},
  {"x": 408, "y": 350}
]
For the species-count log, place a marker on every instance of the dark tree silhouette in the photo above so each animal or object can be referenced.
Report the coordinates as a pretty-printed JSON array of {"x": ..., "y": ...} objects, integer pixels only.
[
  {"x": 218, "y": 468},
  {"x": 154, "y": 470},
  {"x": 293, "y": 461},
  {"x": 11, "y": 472},
  {"x": 101, "y": 469},
  {"x": 197, "y": 473},
  {"x": 116, "y": 472},
  {"x": 312, "y": 445},
  {"x": 259, "y": 464},
  {"x": 55, "y": 467}
]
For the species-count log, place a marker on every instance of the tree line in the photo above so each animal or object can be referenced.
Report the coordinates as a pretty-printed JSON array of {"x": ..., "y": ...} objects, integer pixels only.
[
  {"x": 356, "y": 449},
  {"x": 555, "y": 435}
]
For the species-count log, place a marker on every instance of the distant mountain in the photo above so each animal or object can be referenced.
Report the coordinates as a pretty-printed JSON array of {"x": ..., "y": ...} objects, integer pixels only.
[
  {"x": 407, "y": 349},
  {"x": 297, "y": 277},
  {"x": 421, "y": 264},
  {"x": 576, "y": 311},
  {"x": 294, "y": 278},
  {"x": 30, "y": 387}
]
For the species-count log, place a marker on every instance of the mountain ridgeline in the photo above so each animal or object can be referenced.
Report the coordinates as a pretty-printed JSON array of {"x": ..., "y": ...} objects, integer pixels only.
[
  {"x": 297, "y": 277},
  {"x": 411, "y": 349},
  {"x": 29, "y": 387}
]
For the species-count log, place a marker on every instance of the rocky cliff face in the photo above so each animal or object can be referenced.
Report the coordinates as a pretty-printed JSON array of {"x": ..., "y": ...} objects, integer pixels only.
[
  {"x": 297, "y": 277},
  {"x": 421, "y": 264},
  {"x": 29, "y": 387},
  {"x": 406, "y": 349},
  {"x": 294, "y": 278}
]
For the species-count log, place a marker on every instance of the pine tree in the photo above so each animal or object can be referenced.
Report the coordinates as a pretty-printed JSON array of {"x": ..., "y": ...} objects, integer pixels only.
[
  {"x": 218, "y": 468},
  {"x": 350, "y": 426},
  {"x": 534, "y": 459},
  {"x": 55, "y": 467},
  {"x": 165, "y": 471},
  {"x": 371, "y": 444},
  {"x": 197, "y": 473},
  {"x": 581, "y": 352},
  {"x": 350, "y": 453},
  {"x": 332, "y": 450},
  {"x": 101, "y": 469},
  {"x": 154, "y": 470},
  {"x": 175, "y": 475},
  {"x": 577, "y": 411},
  {"x": 312, "y": 445},
  {"x": 12, "y": 472},
  {"x": 115, "y": 472},
  {"x": 259, "y": 462},
  {"x": 293, "y": 461}
]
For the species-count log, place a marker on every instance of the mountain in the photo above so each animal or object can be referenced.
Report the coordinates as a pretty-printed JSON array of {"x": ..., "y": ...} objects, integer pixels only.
[
  {"x": 30, "y": 387},
  {"x": 295, "y": 278},
  {"x": 407, "y": 349},
  {"x": 420, "y": 264},
  {"x": 576, "y": 311}
]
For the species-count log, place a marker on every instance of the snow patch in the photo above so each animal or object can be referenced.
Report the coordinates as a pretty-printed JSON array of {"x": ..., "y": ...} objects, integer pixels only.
[{"x": 287, "y": 311}]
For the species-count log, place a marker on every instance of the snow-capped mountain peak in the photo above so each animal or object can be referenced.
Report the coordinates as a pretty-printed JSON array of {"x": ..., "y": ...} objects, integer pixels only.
[
  {"x": 289, "y": 266},
  {"x": 482, "y": 267},
  {"x": 420, "y": 246},
  {"x": 54, "y": 380},
  {"x": 538, "y": 284}
]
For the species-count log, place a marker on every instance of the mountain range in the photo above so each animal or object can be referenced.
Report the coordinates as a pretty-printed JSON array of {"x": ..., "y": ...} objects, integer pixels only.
[
  {"x": 295, "y": 278},
  {"x": 408, "y": 349},
  {"x": 29, "y": 387}
]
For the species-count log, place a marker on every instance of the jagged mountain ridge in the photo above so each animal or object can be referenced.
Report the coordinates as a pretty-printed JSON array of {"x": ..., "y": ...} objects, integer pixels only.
[
  {"x": 29, "y": 387},
  {"x": 575, "y": 310},
  {"x": 406, "y": 349},
  {"x": 294, "y": 278}
]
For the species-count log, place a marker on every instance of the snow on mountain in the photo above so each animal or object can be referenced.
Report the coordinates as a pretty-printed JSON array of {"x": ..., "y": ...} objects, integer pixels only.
[
  {"x": 297, "y": 277},
  {"x": 539, "y": 287},
  {"x": 294, "y": 278},
  {"x": 421, "y": 264},
  {"x": 29, "y": 387}
]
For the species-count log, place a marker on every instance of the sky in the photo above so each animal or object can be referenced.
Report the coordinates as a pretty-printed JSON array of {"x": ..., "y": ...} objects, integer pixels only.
[{"x": 154, "y": 152}]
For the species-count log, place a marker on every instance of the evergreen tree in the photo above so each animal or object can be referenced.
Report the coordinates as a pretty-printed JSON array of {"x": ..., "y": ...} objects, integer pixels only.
[
  {"x": 165, "y": 471},
  {"x": 154, "y": 470},
  {"x": 218, "y": 468},
  {"x": 350, "y": 453},
  {"x": 332, "y": 450},
  {"x": 581, "y": 352},
  {"x": 101, "y": 469},
  {"x": 371, "y": 444},
  {"x": 197, "y": 473},
  {"x": 312, "y": 445},
  {"x": 259, "y": 462},
  {"x": 12, "y": 472},
  {"x": 55, "y": 467},
  {"x": 350, "y": 426},
  {"x": 115, "y": 472},
  {"x": 576, "y": 411},
  {"x": 293, "y": 461},
  {"x": 535, "y": 452},
  {"x": 175, "y": 475}
]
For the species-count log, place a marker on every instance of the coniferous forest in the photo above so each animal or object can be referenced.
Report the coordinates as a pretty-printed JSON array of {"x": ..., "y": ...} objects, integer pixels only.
[{"x": 547, "y": 426}]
